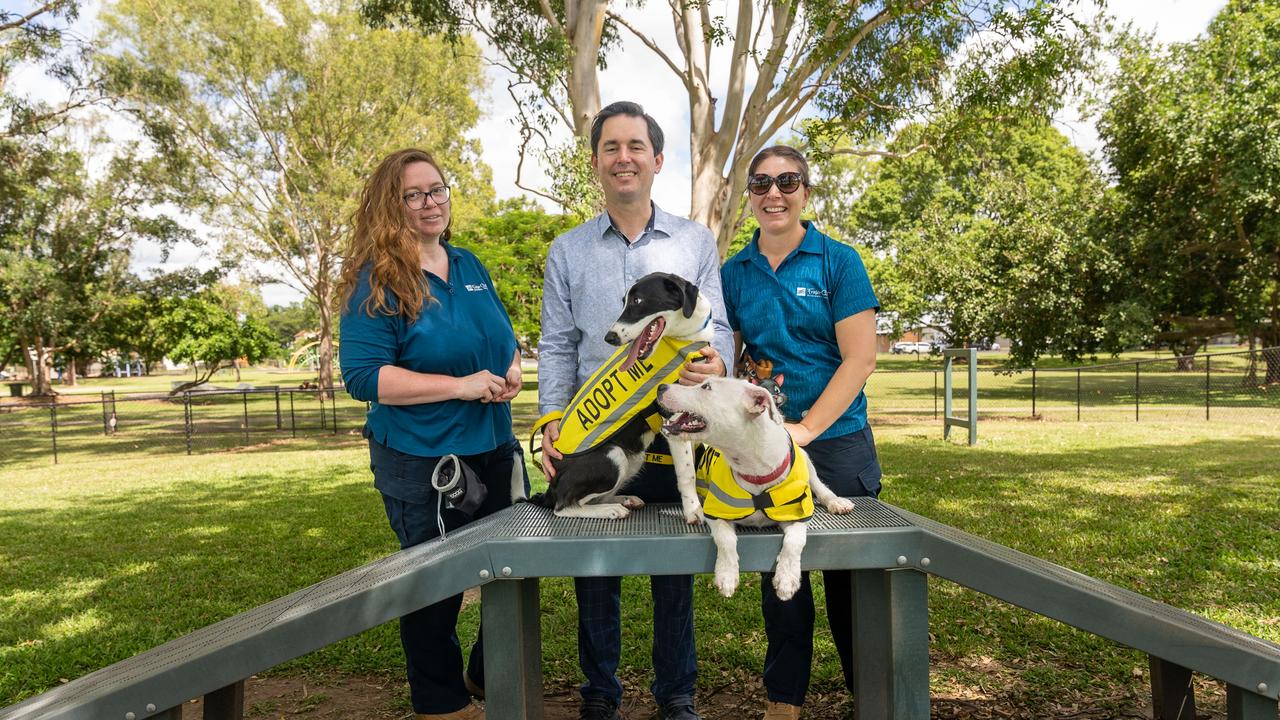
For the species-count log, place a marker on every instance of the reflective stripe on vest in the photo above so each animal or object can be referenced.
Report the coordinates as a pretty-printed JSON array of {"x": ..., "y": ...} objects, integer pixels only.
[
  {"x": 723, "y": 498},
  {"x": 611, "y": 398}
]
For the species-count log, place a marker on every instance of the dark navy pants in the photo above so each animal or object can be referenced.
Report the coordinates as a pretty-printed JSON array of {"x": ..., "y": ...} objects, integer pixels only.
[
  {"x": 675, "y": 659},
  {"x": 850, "y": 467},
  {"x": 433, "y": 655}
]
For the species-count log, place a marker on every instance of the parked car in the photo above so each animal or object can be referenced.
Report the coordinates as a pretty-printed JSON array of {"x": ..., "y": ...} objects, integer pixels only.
[{"x": 901, "y": 348}]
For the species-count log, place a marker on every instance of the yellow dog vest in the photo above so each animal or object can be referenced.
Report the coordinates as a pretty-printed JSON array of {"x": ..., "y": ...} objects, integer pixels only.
[
  {"x": 611, "y": 397},
  {"x": 723, "y": 498}
]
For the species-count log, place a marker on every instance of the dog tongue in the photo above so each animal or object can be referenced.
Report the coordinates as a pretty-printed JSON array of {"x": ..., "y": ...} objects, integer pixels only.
[{"x": 633, "y": 354}]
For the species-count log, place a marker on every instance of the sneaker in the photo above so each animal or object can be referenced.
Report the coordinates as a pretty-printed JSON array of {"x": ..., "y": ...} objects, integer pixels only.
[
  {"x": 598, "y": 708},
  {"x": 677, "y": 708},
  {"x": 781, "y": 711},
  {"x": 470, "y": 712}
]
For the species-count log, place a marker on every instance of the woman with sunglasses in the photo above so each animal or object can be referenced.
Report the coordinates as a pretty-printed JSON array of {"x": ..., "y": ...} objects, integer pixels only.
[
  {"x": 804, "y": 314},
  {"x": 427, "y": 343}
]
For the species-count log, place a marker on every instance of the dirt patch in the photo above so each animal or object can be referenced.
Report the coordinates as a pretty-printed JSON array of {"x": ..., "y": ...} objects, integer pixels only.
[{"x": 383, "y": 698}]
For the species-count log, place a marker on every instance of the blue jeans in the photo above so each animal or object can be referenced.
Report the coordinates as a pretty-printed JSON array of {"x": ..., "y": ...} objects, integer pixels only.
[
  {"x": 433, "y": 655},
  {"x": 675, "y": 658},
  {"x": 850, "y": 467}
]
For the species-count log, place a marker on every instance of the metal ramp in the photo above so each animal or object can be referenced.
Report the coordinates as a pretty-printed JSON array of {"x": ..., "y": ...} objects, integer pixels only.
[{"x": 890, "y": 550}]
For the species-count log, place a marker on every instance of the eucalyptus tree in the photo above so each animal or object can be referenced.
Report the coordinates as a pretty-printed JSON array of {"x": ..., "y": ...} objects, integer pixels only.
[
  {"x": 272, "y": 114},
  {"x": 749, "y": 69},
  {"x": 1192, "y": 135}
]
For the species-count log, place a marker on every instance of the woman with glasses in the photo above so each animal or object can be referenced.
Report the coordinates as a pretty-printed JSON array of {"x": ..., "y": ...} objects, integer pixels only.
[
  {"x": 804, "y": 319},
  {"x": 427, "y": 343}
]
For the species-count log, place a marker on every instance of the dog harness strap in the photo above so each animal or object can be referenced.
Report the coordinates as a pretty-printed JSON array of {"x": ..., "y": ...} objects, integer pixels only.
[
  {"x": 612, "y": 397},
  {"x": 722, "y": 497}
]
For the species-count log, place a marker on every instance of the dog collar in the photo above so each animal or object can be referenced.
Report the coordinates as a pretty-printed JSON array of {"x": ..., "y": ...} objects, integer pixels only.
[{"x": 777, "y": 473}]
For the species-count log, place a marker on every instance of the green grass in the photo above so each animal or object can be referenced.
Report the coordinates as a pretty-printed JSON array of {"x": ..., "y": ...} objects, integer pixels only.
[{"x": 103, "y": 558}]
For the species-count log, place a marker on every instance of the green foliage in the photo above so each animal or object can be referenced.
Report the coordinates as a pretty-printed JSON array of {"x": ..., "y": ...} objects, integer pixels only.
[
  {"x": 287, "y": 321},
  {"x": 991, "y": 237},
  {"x": 208, "y": 329},
  {"x": 1191, "y": 134},
  {"x": 272, "y": 115},
  {"x": 573, "y": 181},
  {"x": 64, "y": 251},
  {"x": 513, "y": 246}
]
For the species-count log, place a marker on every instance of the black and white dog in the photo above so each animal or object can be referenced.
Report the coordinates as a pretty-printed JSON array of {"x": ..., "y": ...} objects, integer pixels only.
[
  {"x": 589, "y": 483},
  {"x": 756, "y": 477}
]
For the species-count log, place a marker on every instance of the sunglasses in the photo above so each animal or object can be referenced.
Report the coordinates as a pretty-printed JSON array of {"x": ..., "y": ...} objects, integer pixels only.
[{"x": 788, "y": 182}]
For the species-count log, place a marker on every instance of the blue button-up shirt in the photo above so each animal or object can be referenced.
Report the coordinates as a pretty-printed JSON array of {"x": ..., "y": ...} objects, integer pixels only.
[
  {"x": 589, "y": 270},
  {"x": 463, "y": 330},
  {"x": 789, "y": 316}
]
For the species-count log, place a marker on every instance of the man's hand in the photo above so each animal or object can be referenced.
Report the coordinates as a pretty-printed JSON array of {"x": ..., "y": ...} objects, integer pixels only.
[
  {"x": 801, "y": 434},
  {"x": 514, "y": 382},
  {"x": 711, "y": 365},
  {"x": 550, "y": 433}
]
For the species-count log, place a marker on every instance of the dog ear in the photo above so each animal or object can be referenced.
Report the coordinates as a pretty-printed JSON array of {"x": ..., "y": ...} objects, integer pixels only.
[
  {"x": 778, "y": 379},
  {"x": 690, "y": 293},
  {"x": 756, "y": 399}
]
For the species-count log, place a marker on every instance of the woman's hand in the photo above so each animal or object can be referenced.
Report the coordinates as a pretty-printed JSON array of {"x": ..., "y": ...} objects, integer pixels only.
[
  {"x": 801, "y": 434},
  {"x": 514, "y": 382},
  {"x": 711, "y": 365},
  {"x": 483, "y": 386}
]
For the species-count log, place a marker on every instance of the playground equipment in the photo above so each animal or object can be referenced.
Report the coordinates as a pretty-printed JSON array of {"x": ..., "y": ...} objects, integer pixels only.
[{"x": 891, "y": 551}]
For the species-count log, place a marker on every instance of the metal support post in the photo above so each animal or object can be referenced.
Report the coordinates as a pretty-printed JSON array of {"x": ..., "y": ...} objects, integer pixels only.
[
  {"x": 1137, "y": 389},
  {"x": 244, "y": 396},
  {"x": 935, "y": 394},
  {"x": 512, "y": 649},
  {"x": 1033, "y": 391},
  {"x": 187, "y": 420},
  {"x": 1077, "y": 394},
  {"x": 333, "y": 407},
  {"x": 1172, "y": 696},
  {"x": 1206, "y": 387},
  {"x": 53, "y": 428},
  {"x": 293, "y": 419},
  {"x": 106, "y": 420},
  {"x": 1245, "y": 705},
  {"x": 225, "y": 703},
  {"x": 891, "y": 644},
  {"x": 279, "y": 425}
]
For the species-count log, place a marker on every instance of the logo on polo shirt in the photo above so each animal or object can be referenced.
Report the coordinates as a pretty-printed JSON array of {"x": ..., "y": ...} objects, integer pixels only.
[
  {"x": 479, "y": 287},
  {"x": 811, "y": 292}
]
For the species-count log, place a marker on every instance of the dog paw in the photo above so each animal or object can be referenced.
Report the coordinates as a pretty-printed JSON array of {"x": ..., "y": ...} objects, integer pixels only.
[
  {"x": 632, "y": 502},
  {"x": 615, "y": 512},
  {"x": 786, "y": 583},
  {"x": 693, "y": 515},
  {"x": 840, "y": 506},
  {"x": 727, "y": 583}
]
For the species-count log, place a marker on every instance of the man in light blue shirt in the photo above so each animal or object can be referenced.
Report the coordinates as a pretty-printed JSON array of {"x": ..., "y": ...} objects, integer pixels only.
[{"x": 589, "y": 270}]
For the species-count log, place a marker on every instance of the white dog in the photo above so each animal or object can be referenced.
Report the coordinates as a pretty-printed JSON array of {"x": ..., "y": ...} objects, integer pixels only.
[{"x": 751, "y": 473}]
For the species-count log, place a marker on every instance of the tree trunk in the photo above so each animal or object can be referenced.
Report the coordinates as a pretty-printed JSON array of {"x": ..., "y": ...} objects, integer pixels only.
[
  {"x": 41, "y": 384},
  {"x": 69, "y": 377},
  {"x": 584, "y": 26},
  {"x": 324, "y": 303}
]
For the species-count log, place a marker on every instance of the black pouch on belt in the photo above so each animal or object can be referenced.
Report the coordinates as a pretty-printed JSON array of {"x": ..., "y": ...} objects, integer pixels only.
[{"x": 459, "y": 484}]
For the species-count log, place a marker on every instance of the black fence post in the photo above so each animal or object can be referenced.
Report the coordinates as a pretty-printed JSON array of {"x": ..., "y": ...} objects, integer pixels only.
[
  {"x": 106, "y": 421},
  {"x": 1077, "y": 394},
  {"x": 53, "y": 426},
  {"x": 333, "y": 407},
  {"x": 1137, "y": 389},
  {"x": 278, "y": 424},
  {"x": 1033, "y": 391},
  {"x": 293, "y": 420},
  {"x": 187, "y": 419},
  {"x": 935, "y": 394},
  {"x": 324, "y": 421},
  {"x": 1206, "y": 387},
  {"x": 244, "y": 397}
]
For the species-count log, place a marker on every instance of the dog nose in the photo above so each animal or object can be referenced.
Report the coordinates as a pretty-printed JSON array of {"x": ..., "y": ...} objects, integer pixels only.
[{"x": 612, "y": 338}]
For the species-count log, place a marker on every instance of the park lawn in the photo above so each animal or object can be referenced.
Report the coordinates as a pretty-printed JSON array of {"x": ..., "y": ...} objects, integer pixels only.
[{"x": 103, "y": 559}]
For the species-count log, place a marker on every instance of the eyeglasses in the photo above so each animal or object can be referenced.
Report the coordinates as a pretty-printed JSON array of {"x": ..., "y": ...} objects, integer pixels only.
[
  {"x": 788, "y": 182},
  {"x": 416, "y": 199}
]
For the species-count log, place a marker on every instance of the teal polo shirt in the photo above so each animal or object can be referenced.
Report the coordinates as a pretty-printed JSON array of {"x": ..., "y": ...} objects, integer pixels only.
[
  {"x": 464, "y": 330},
  {"x": 789, "y": 316}
]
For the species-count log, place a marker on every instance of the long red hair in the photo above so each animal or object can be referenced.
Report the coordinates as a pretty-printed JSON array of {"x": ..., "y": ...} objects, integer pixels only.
[{"x": 382, "y": 240}]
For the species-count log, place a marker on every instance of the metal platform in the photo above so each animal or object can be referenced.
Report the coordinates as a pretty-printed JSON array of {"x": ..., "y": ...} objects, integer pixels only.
[{"x": 890, "y": 550}]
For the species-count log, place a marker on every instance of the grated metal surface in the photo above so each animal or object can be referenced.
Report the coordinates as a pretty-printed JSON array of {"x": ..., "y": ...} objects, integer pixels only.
[
  {"x": 1114, "y": 594},
  {"x": 666, "y": 519}
]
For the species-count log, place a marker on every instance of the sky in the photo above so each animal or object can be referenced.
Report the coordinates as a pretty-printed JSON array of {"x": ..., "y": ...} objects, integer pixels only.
[{"x": 659, "y": 93}]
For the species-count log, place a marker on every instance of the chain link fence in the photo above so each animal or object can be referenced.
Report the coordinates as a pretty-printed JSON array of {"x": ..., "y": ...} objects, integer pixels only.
[
  {"x": 1242, "y": 386},
  {"x": 189, "y": 422}
]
